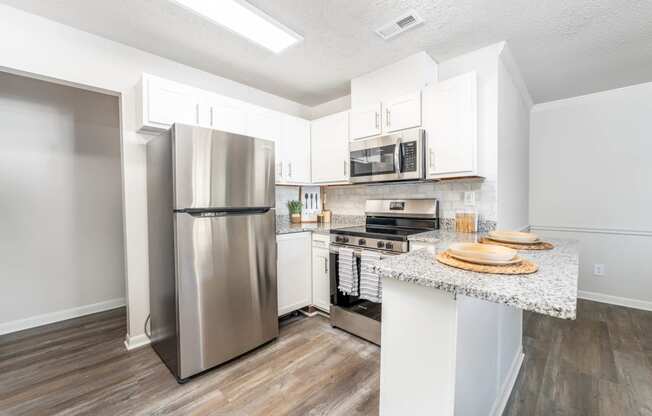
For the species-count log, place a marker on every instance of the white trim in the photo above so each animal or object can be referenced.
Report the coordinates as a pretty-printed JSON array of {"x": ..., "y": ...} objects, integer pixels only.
[
  {"x": 48, "y": 318},
  {"x": 593, "y": 230},
  {"x": 615, "y": 300},
  {"x": 508, "y": 385},
  {"x": 131, "y": 343}
]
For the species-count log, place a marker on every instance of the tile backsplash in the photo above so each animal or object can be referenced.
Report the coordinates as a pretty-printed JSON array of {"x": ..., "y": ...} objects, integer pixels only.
[
  {"x": 350, "y": 199},
  {"x": 283, "y": 195}
]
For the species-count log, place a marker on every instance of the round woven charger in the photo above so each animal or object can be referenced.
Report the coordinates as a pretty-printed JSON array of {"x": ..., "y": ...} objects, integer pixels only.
[
  {"x": 542, "y": 245},
  {"x": 524, "y": 267}
]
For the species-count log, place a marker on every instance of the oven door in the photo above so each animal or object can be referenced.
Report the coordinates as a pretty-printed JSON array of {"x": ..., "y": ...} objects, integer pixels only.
[
  {"x": 395, "y": 157},
  {"x": 338, "y": 298},
  {"x": 354, "y": 315}
]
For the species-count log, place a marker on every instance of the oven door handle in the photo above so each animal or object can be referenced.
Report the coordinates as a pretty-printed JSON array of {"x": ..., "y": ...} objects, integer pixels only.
[{"x": 397, "y": 156}]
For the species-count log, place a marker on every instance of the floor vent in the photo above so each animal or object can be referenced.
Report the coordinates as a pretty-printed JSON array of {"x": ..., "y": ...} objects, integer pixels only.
[{"x": 399, "y": 25}]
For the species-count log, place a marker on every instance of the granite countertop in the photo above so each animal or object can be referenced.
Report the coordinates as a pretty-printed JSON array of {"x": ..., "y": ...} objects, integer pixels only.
[
  {"x": 283, "y": 225},
  {"x": 552, "y": 290}
]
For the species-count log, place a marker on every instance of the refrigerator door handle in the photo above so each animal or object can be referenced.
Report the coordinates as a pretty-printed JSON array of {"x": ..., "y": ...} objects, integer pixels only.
[{"x": 195, "y": 212}]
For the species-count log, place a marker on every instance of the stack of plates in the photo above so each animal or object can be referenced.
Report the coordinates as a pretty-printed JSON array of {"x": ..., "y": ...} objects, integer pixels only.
[
  {"x": 484, "y": 254},
  {"x": 513, "y": 237}
]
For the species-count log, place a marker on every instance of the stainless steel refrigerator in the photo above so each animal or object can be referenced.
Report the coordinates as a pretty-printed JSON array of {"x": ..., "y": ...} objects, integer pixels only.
[{"x": 212, "y": 246}]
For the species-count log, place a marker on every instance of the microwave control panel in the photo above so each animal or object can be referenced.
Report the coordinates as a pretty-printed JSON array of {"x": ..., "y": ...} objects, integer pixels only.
[{"x": 409, "y": 156}]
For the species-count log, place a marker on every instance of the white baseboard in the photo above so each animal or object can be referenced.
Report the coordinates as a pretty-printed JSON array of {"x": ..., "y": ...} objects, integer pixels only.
[
  {"x": 48, "y": 318},
  {"x": 508, "y": 385},
  {"x": 615, "y": 300},
  {"x": 138, "y": 341}
]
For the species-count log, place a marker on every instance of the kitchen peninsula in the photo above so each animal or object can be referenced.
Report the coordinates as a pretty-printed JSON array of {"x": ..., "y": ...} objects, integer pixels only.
[{"x": 452, "y": 341}]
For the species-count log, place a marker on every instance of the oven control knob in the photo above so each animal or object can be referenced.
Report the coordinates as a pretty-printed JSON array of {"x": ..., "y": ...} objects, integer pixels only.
[
  {"x": 380, "y": 244},
  {"x": 389, "y": 246},
  {"x": 339, "y": 239},
  {"x": 362, "y": 242},
  {"x": 345, "y": 239}
]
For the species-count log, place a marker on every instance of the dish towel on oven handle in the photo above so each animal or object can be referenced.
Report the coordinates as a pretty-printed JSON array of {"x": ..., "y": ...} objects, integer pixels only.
[
  {"x": 347, "y": 269},
  {"x": 370, "y": 284}
]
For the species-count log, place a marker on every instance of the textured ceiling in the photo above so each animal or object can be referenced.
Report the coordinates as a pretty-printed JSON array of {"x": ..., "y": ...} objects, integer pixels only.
[{"x": 563, "y": 47}]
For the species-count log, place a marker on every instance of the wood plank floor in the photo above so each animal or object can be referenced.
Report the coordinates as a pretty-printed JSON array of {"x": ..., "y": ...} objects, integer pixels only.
[
  {"x": 80, "y": 367},
  {"x": 600, "y": 364}
]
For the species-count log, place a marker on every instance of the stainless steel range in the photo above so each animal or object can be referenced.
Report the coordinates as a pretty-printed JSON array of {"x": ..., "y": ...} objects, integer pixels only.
[{"x": 388, "y": 225}]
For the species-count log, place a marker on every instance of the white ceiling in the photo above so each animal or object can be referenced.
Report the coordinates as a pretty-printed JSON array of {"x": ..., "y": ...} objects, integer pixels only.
[{"x": 563, "y": 47}]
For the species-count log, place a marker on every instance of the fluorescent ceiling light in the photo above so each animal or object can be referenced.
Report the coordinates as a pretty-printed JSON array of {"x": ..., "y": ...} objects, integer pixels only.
[{"x": 245, "y": 20}]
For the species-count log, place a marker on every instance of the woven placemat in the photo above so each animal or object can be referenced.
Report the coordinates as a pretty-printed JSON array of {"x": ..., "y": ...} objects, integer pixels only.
[
  {"x": 536, "y": 246},
  {"x": 524, "y": 267}
]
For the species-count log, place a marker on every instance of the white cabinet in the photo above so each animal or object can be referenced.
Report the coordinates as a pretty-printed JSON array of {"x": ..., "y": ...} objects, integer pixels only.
[
  {"x": 293, "y": 156},
  {"x": 365, "y": 122},
  {"x": 330, "y": 148},
  {"x": 402, "y": 112},
  {"x": 162, "y": 102},
  {"x": 263, "y": 123},
  {"x": 450, "y": 113},
  {"x": 223, "y": 113},
  {"x": 293, "y": 272},
  {"x": 393, "y": 114},
  {"x": 321, "y": 289}
]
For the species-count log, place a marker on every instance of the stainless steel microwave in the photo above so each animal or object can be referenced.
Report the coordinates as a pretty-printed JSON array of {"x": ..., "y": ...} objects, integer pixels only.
[{"x": 396, "y": 157}]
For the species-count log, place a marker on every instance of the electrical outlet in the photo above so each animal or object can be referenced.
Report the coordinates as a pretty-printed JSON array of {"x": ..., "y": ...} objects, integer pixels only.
[
  {"x": 599, "y": 270},
  {"x": 469, "y": 198}
]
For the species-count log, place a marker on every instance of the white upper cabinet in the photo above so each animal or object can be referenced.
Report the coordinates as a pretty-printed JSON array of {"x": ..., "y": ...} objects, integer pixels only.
[
  {"x": 163, "y": 102},
  {"x": 365, "y": 122},
  {"x": 330, "y": 148},
  {"x": 402, "y": 112},
  {"x": 450, "y": 118},
  {"x": 263, "y": 123},
  {"x": 223, "y": 113},
  {"x": 293, "y": 155},
  {"x": 393, "y": 114}
]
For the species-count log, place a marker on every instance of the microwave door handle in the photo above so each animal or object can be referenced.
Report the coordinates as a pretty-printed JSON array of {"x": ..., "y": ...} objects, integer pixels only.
[{"x": 397, "y": 156}]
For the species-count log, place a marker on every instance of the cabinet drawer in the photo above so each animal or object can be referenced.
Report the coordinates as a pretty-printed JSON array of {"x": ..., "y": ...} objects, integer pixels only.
[{"x": 321, "y": 240}]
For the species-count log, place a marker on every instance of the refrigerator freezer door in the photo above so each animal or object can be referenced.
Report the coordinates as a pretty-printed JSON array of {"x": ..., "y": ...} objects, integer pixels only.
[
  {"x": 216, "y": 169},
  {"x": 226, "y": 281}
]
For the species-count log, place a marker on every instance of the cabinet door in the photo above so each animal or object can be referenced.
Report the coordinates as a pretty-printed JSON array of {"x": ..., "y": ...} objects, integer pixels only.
[
  {"x": 320, "y": 279},
  {"x": 365, "y": 122},
  {"x": 168, "y": 103},
  {"x": 450, "y": 120},
  {"x": 227, "y": 114},
  {"x": 402, "y": 113},
  {"x": 263, "y": 123},
  {"x": 266, "y": 124},
  {"x": 329, "y": 148},
  {"x": 293, "y": 272},
  {"x": 294, "y": 149}
]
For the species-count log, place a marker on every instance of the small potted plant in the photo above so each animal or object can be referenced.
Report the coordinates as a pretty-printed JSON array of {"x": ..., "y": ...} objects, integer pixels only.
[{"x": 295, "y": 211}]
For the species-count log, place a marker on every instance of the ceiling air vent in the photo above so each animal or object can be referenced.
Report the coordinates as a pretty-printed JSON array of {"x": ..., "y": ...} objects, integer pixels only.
[{"x": 399, "y": 25}]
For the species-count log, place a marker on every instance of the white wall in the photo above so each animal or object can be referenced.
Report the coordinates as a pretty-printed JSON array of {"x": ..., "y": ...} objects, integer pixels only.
[
  {"x": 514, "y": 105},
  {"x": 61, "y": 250},
  {"x": 40, "y": 47},
  {"x": 590, "y": 176}
]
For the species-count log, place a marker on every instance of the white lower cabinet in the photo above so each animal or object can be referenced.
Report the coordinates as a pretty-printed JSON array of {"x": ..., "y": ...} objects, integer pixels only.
[
  {"x": 321, "y": 288},
  {"x": 293, "y": 272}
]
